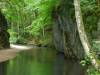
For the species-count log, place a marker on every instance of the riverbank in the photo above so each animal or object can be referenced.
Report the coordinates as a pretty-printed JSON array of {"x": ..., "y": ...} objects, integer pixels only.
[
  {"x": 22, "y": 47},
  {"x": 8, "y": 54}
]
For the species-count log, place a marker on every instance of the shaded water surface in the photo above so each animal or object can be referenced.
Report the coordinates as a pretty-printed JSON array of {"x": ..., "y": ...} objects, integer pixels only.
[{"x": 41, "y": 62}]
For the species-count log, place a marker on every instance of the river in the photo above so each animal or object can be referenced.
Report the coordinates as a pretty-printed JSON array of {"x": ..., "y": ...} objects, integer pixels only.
[{"x": 41, "y": 61}]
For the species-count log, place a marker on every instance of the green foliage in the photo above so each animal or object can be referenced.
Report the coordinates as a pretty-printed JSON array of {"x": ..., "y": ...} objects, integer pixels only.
[
  {"x": 43, "y": 17},
  {"x": 13, "y": 37},
  {"x": 28, "y": 16},
  {"x": 86, "y": 62},
  {"x": 90, "y": 15},
  {"x": 90, "y": 68},
  {"x": 92, "y": 71}
]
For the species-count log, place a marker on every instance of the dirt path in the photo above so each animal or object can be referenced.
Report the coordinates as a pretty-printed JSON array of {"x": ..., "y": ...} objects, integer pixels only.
[{"x": 8, "y": 54}]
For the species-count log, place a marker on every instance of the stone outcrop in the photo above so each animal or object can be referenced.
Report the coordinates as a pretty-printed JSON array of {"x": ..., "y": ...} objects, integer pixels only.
[
  {"x": 4, "y": 35},
  {"x": 66, "y": 36}
]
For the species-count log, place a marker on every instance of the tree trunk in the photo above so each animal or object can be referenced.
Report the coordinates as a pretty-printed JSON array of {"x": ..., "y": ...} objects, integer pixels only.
[
  {"x": 4, "y": 35},
  {"x": 83, "y": 36}
]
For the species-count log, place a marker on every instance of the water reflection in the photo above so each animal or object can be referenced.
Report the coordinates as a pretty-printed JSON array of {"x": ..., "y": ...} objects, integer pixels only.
[
  {"x": 41, "y": 62},
  {"x": 65, "y": 66},
  {"x": 3, "y": 68},
  {"x": 59, "y": 64},
  {"x": 73, "y": 67}
]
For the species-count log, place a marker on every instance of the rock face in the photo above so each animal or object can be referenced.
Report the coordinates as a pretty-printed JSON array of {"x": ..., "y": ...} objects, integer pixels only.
[
  {"x": 4, "y": 35},
  {"x": 66, "y": 37}
]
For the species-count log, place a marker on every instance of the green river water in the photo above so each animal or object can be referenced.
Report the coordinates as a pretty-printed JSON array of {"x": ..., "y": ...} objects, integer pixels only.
[{"x": 41, "y": 61}]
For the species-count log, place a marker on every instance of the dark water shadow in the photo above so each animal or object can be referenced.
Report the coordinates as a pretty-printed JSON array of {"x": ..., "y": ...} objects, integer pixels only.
[
  {"x": 63, "y": 66},
  {"x": 59, "y": 64},
  {"x": 3, "y": 68},
  {"x": 73, "y": 67}
]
